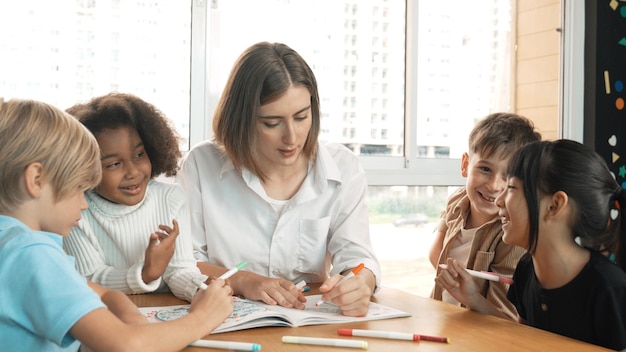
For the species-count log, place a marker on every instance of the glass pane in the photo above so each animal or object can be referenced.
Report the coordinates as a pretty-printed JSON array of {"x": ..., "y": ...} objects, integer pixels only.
[
  {"x": 66, "y": 52},
  {"x": 464, "y": 71},
  {"x": 403, "y": 220},
  {"x": 355, "y": 47}
]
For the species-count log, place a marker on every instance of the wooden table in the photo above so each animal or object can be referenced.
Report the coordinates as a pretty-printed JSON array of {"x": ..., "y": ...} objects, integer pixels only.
[{"x": 467, "y": 330}]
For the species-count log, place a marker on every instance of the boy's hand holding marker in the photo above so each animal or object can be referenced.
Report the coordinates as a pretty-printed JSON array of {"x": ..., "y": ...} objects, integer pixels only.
[
  {"x": 225, "y": 276},
  {"x": 201, "y": 285}
]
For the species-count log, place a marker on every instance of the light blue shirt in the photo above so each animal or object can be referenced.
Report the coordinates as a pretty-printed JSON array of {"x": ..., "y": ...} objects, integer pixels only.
[
  {"x": 321, "y": 231},
  {"x": 41, "y": 294}
]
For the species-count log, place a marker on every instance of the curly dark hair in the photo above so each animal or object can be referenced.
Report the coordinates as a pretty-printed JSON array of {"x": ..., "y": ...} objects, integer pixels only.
[{"x": 116, "y": 110}]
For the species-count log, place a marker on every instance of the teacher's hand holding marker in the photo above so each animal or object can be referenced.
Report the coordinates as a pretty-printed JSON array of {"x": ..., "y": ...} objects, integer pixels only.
[
  {"x": 351, "y": 293},
  {"x": 272, "y": 291}
]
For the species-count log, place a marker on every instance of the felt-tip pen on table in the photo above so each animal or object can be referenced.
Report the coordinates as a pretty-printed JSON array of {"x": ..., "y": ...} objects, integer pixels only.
[
  {"x": 226, "y": 345},
  {"x": 352, "y": 273},
  {"x": 391, "y": 335},
  {"x": 232, "y": 271},
  {"x": 487, "y": 275},
  {"x": 325, "y": 341}
]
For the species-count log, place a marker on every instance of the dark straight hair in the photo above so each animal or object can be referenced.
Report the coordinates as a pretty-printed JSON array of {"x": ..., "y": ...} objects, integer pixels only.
[{"x": 547, "y": 167}]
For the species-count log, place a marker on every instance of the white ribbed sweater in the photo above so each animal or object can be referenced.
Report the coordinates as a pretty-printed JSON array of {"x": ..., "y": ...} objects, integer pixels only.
[{"x": 110, "y": 241}]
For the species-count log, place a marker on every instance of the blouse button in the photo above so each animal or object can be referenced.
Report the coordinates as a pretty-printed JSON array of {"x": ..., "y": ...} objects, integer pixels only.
[
  {"x": 275, "y": 272},
  {"x": 544, "y": 307}
]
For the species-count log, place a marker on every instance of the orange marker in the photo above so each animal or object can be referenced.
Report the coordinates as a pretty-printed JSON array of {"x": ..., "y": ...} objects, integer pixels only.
[{"x": 350, "y": 274}]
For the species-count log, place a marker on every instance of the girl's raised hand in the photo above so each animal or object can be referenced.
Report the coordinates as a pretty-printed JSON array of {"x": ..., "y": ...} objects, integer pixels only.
[{"x": 159, "y": 252}]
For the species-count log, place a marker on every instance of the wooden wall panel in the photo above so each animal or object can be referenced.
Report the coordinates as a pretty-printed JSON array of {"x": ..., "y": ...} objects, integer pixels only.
[{"x": 537, "y": 64}]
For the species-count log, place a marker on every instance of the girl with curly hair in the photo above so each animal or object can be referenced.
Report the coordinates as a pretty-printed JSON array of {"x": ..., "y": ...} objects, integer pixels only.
[{"x": 128, "y": 239}]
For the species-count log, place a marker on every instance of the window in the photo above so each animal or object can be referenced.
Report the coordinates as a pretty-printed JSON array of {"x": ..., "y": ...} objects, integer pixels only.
[
  {"x": 401, "y": 83},
  {"x": 455, "y": 52},
  {"x": 89, "y": 48},
  {"x": 457, "y": 49}
]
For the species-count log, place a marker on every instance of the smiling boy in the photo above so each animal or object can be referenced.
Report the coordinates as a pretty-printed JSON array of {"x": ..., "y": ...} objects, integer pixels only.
[{"x": 470, "y": 230}]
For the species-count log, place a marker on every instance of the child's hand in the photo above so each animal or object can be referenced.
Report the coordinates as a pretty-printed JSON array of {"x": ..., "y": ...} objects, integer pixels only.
[
  {"x": 159, "y": 252},
  {"x": 212, "y": 278},
  {"x": 458, "y": 282},
  {"x": 213, "y": 305}
]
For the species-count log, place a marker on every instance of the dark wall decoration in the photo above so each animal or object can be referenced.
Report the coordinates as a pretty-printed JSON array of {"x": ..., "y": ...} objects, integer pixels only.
[{"x": 605, "y": 76}]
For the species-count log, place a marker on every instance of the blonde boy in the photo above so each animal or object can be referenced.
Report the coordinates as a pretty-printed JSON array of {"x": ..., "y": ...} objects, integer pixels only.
[
  {"x": 47, "y": 161},
  {"x": 470, "y": 230}
]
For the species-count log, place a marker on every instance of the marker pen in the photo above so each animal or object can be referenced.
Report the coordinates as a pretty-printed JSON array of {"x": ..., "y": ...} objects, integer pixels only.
[
  {"x": 232, "y": 271},
  {"x": 227, "y": 345},
  {"x": 201, "y": 285},
  {"x": 487, "y": 275},
  {"x": 325, "y": 342},
  {"x": 345, "y": 278},
  {"x": 391, "y": 335}
]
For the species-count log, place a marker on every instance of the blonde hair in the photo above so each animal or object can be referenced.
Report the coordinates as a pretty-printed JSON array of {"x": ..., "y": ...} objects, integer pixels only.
[{"x": 32, "y": 131}]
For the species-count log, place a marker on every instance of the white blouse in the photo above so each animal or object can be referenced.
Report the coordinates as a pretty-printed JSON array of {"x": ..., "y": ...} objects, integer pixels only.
[{"x": 321, "y": 231}]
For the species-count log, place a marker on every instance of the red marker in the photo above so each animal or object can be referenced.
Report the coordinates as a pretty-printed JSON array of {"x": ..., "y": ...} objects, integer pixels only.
[
  {"x": 350, "y": 274},
  {"x": 391, "y": 335}
]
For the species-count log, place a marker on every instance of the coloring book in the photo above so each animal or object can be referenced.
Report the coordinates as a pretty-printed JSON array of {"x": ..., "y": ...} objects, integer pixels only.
[{"x": 251, "y": 314}]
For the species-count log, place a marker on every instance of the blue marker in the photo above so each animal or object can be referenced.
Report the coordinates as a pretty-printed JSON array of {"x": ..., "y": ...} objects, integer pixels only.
[{"x": 227, "y": 345}]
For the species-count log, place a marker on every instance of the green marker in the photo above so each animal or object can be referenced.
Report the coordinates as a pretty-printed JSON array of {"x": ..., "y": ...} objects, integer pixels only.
[{"x": 232, "y": 271}]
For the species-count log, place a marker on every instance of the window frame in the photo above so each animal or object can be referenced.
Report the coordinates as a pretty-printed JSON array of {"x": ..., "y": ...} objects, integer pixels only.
[{"x": 389, "y": 170}]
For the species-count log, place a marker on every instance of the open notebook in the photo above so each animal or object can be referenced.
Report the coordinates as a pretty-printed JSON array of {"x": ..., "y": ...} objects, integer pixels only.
[{"x": 251, "y": 314}]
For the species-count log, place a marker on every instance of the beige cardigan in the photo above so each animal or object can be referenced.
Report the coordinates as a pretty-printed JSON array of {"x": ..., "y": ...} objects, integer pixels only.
[{"x": 487, "y": 253}]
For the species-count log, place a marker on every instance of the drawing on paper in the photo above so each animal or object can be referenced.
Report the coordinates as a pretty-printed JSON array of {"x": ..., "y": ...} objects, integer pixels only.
[{"x": 241, "y": 309}]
